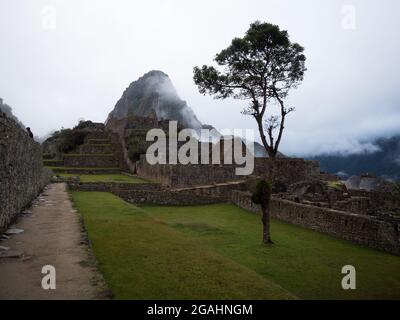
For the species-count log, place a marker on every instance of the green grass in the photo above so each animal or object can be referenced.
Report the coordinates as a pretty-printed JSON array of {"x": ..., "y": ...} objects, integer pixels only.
[
  {"x": 335, "y": 184},
  {"x": 104, "y": 178},
  {"x": 142, "y": 258},
  {"x": 83, "y": 168},
  {"x": 215, "y": 251}
]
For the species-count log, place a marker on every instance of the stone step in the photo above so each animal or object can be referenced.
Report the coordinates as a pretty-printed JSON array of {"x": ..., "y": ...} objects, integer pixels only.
[
  {"x": 74, "y": 170},
  {"x": 98, "y": 135},
  {"x": 53, "y": 163},
  {"x": 96, "y": 149},
  {"x": 90, "y": 160},
  {"x": 48, "y": 156},
  {"x": 98, "y": 141}
]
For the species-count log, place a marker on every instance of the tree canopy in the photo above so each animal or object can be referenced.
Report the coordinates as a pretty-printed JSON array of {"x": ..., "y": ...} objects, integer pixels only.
[{"x": 261, "y": 67}]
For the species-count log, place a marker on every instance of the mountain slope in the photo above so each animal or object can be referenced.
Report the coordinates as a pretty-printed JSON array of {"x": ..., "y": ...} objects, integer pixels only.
[
  {"x": 154, "y": 92},
  {"x": 5, "y": 108},
  {"x": 385, "y": 162}
]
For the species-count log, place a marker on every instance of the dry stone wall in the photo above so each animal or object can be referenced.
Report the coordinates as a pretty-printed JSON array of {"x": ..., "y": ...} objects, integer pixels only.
[
  {"x": 287, "y": 169},
  {"x": 22, "y": 175},
  {"x": 362, "y": 229},
  {"x": 148, "y": 193},
  {"x": 89, "y": 161}
]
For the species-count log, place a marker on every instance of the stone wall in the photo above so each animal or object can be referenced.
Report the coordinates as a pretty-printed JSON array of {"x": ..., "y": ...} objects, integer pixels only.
[
  {"x": 22, "y": 175},
  {"x": 96, "y": 149},
  {"x": 111, "y": 186},
  {"x": 361, "y": 229},
  {"x": 221, "y": 190},
  {"x": 166, "y": 197},
  {"x": 148, "y": 193},
  {"x": 87, "y": 161},
  {"x": 379, "y": 199},
  {"x": 190, "y": 175},
  {"x": 287, "y": 169}
]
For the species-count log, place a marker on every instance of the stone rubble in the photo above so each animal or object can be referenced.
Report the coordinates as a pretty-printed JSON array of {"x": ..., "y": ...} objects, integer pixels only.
[
  {"x": 13, "y": 231},
  {"x": 11, "y": 254}
]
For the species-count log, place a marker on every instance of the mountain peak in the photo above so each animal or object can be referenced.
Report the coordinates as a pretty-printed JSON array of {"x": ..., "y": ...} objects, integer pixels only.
[{"x": 152, "y": 93}]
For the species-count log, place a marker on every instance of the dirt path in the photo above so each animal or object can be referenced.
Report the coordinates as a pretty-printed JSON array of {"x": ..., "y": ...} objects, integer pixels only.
[{"x": 52, "y": 236}]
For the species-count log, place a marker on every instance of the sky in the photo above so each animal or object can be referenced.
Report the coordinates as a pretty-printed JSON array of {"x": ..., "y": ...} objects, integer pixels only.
[{"x": 65, "y": 60}]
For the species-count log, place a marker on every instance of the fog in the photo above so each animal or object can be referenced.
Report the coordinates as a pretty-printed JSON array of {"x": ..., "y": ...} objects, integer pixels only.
[{"x": 65, "y": 60}]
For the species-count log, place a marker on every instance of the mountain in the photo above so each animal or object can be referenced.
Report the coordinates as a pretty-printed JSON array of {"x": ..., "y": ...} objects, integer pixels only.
[
  {"x": 385, "y": 162},
  {"x": 154, "y": 92},
  {"x": 5, "y": 108}
]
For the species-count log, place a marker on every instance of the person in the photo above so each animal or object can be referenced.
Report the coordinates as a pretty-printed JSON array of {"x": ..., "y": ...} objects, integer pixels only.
[{"x": 29, "y": 132}]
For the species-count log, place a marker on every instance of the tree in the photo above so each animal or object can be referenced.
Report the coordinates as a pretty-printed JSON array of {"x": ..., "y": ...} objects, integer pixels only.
[
  {"x": 261, "y": 67},
  {"x": 262, "y": 196}
]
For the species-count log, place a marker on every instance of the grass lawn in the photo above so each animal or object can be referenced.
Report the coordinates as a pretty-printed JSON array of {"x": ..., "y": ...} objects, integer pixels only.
[
  {"x": 104, "y": 177},
  {"x": 215, "y": 252}
]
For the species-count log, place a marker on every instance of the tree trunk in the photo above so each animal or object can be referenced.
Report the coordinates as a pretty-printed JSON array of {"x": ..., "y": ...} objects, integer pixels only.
[{"x": 266, "y": 222}]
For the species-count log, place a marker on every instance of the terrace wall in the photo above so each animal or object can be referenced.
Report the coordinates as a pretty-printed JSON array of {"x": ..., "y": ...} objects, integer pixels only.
[
  {"x": 86, "y": 161},
  {"x": 287, "y": 169},
  {"x": 361, "y": 229},
  {"x": 147, "y": 193},
  {"x": 22, "y": 175}
]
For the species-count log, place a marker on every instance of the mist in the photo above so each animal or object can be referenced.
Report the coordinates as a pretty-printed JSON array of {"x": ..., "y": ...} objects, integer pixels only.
[{"x": 62, "y": 61}]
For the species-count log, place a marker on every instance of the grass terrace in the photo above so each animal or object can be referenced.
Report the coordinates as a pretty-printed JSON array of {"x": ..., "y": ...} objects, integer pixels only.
[
  {"x": 123, "y": 178},
  {"x": 215, "y": 252},
  {"x": 88, "y": 155}
]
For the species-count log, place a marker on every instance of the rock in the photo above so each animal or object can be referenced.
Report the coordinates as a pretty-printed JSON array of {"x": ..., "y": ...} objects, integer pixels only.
[
  {"x": 11, "y": 254},
  {"x": 154, "y": 96},
  {"x": 14, "y": 231},
  {"x": 25, "y": 258}
]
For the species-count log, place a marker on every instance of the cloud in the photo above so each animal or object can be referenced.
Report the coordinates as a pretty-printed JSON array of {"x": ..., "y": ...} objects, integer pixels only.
[{"x": 349, "y": 95}]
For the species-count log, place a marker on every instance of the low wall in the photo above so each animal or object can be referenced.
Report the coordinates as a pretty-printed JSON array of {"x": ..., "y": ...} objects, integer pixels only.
[
  {"x": 22, "y": 175},
  {"x": 221, "y": 190},
  {"x": 96, "y": 149},
  {"x": 190, "y": 175},
  {"x": 166, "y": 197},
  {"x": 79, "y": 171},
  {"x": 147, "y": 193},
  {"x": 85, "y": 161},
  {"x": 288, "y": 170},
  {"x": 379, "y": 199},
  {"x": 358, "y": 228},
  {"x": 111, "y": 186}
]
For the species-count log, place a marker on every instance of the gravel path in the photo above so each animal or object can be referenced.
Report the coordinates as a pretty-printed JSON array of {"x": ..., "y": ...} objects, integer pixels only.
[{"x": 53, "y": 235}]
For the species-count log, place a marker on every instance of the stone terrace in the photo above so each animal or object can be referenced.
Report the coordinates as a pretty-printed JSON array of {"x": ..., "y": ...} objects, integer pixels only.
[{"x": 96, "y": 156}]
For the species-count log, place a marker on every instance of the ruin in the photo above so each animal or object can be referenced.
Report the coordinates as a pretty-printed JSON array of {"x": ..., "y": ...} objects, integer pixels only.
[
  {"x": 22, "y": 174},
  {"x": 302, "y": 194},
  {"x": 305, "y": 196}
]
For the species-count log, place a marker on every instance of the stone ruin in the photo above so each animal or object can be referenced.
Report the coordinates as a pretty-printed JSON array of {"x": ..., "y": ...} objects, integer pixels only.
[
  {"x": 302, "y": 194},
  {"x": 22, "y": 174}
]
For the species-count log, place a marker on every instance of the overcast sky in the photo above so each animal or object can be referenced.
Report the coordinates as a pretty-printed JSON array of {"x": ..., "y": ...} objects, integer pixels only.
[{"x": 65, "y": 60}]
